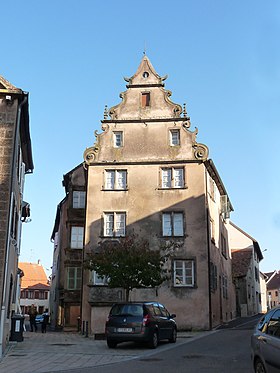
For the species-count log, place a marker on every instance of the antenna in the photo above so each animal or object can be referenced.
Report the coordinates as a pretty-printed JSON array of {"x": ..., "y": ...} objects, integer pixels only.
[{"x": 145, "y": 48}]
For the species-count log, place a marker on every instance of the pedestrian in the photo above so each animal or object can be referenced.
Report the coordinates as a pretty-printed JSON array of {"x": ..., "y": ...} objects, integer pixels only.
[
  {"x": 32, "y": 318},
  {"x": 45, "y": 321}
]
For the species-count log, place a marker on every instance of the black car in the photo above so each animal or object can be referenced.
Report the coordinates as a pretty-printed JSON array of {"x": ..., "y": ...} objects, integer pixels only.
[{"x": 148, "y": 322}]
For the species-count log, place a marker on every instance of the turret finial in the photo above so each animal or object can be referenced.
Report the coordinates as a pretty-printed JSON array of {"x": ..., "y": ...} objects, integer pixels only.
[
  {"x": 184, "y": 111},
  {"x": 106, "y": 112}
]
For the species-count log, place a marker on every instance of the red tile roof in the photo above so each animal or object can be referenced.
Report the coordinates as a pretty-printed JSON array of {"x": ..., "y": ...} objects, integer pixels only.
[{"x": 34, "y": 276}]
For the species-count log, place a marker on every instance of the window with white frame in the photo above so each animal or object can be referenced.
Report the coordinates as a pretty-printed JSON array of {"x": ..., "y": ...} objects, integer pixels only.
[
  {"x": 172, "y": 177},
  {"x": 174, "y": 136},
  {"x": 115, "y": 179},
  {"x": 77, "y": 237},
  {"x": 183, "y": 273},
  {"x": 173, "y": 224},
  {"x": 118, "y": 139},
  {"x": 114, "y": 224},
  {"x": 79, "y": 199},
  {"x": 98, "y": 280},
  {"x": 74, "y": 278}
]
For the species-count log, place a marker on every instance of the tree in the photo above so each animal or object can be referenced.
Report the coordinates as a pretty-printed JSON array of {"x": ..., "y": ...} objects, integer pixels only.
[{"x": 128, "y": 263}]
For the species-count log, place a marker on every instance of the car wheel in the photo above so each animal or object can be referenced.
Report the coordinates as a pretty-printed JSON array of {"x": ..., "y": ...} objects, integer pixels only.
[
  {"x": 154, "y": 340},
  {"x": 259, "y": 367},
  {"x": 173, "y": 337},
  {"x": 111, "y": 344}
]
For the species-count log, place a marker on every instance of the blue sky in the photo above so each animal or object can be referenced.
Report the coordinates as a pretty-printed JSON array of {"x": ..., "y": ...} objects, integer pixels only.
[{"x": 222, "y": 58}]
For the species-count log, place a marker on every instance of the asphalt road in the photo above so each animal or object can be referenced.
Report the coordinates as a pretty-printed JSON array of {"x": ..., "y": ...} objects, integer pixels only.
[{"x": 225, "y": 350}]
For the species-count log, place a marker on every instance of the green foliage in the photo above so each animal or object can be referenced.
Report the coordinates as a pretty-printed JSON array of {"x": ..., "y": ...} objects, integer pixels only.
[{"x": 128, "y": 263}]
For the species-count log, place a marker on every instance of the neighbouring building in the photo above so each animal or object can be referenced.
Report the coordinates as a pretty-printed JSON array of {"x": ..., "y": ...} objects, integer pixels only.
[
  {"x": 273, "y": 289},
  {"x": 68, "y": 239},
  {"x": 35, "y": 287},
  {"x": 246, "y": 256},
  {"x": 15, "y": 162},
  {"x": 147, "y": 174}
]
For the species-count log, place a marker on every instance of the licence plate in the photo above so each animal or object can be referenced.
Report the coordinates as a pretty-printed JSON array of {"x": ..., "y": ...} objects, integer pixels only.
[{"x": 124, "y": 330}]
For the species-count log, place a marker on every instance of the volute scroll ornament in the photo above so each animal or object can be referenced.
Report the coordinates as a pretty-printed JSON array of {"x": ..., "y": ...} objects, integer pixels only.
[
  {"x": 200, "y": 151},
  {"x": 90, "y": 154}
]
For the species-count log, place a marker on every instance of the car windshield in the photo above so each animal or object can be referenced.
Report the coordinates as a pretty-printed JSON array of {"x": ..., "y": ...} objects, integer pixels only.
[{"x": 127, "y": 310}]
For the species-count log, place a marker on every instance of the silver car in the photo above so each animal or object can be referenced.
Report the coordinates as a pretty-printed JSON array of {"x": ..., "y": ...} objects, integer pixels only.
[{"x": 265, "y": 343}]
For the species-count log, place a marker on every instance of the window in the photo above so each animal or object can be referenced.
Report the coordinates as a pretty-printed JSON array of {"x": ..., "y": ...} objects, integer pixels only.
[
  {"x": 225, "y": 286},
  {"x": 174, "y": 137},
  {"x": 276, "y": 293},
  {"x": 118, "y": 139},
  {"x": 172, "y": 224},
  {"x": 77, "y": 237},
  {"x": 172, "y": 177},
  {"x": 99, "y": 280},
  {"x": 114, "y": 224},
  {"x": 79, "y": 199},
  {"x": 212, "y": 189},
  {"x": 145, "y": 99},
  {"x": 223, "y": 246},
  {"x": 183, "y": 272},
  {"x": 212, "y": 230},
  {"x": 273, "y": 327},
  {"x": 213, "y": 277},
  {"x": 115, "y": 179},
  {"x": 74, "y": 278}
]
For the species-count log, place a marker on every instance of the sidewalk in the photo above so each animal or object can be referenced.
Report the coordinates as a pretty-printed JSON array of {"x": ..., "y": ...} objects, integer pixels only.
[{"x": 58, "y": 351}]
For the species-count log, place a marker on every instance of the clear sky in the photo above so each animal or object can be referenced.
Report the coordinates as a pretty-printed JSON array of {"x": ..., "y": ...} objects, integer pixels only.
[{"x": 222, "y": 58}]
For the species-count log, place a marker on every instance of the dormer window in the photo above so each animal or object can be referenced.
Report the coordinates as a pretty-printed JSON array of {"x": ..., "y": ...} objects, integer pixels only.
[
  {"x": 118, "y": 139},
  {"x": 174, "y": 137},
  {"x": 145, "y": 99}
]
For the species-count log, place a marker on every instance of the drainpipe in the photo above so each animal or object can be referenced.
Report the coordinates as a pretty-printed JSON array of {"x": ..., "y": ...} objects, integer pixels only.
[
  {"x": 208, "y": 251},
  {"x": 8, "y": 236}
]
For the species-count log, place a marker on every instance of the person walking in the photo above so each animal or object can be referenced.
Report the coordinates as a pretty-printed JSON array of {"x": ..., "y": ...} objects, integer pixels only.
[
  {"x": 32, "y": 318},
  {"x": 45, "y": 321}
]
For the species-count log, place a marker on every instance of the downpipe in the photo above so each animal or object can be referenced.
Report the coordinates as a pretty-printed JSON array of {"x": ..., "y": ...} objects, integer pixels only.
[{"x": 3, "y": 305}]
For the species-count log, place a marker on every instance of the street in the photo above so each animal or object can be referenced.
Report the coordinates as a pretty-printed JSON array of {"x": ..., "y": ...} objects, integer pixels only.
[{"x": 226, "y": 350}]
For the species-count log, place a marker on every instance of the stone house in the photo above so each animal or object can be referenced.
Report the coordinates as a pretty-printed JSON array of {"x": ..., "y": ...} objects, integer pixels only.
[
  {"x": 15, "y": 162},
  {"x": 35, "y": 287},
  {"x": 273, "y": 288},
  {"x": 68, "y": 239},
  {"x": 246, "y": 256},
  {"x": 147, "y": 174}
]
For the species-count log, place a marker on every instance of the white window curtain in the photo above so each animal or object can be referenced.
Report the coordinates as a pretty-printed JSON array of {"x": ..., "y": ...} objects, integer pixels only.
[
  {"x": 183, "y": 272},
  {"x": 109, "y": 225},
  {"x": 166, "y": 178},
  {"x": 178, "y": 174},
  {"x": 166, "y": 224},
  {"x": 77, "y": 237},
  {"x": 121, "y": 179}
]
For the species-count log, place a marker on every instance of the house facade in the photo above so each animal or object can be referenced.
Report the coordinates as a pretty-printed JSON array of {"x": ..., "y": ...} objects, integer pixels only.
[
  {"x": 15, "y": 162},
  {"x": 246, "y": 256},
  {"x": 35, "y": 287},
  {"x": 147, "y": 174},
  {"x": 273, "y": 288},
  {"x": 68, "y": 239}
]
